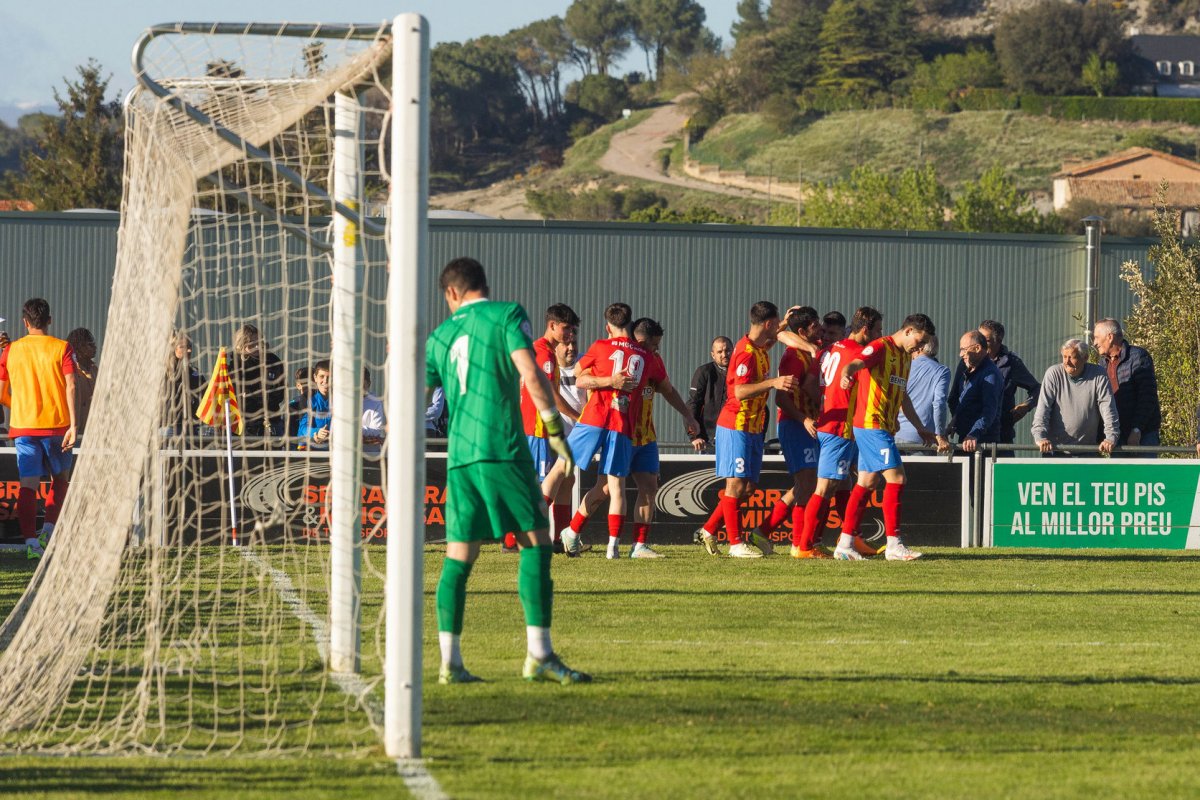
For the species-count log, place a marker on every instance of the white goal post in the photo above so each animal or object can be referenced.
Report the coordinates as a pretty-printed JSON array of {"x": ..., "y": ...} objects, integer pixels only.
[{"x": 259, "y": 160}]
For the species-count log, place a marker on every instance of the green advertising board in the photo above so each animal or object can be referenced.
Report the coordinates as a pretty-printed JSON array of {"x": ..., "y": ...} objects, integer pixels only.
[{"x": 1095, "y": 502}]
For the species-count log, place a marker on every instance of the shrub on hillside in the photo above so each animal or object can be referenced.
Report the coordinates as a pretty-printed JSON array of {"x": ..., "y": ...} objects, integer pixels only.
[{"x": 599, "y": 205}]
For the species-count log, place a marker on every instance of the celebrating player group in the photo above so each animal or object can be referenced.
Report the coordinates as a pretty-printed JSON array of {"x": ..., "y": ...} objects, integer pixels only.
[{"x": 837, "y": 398}]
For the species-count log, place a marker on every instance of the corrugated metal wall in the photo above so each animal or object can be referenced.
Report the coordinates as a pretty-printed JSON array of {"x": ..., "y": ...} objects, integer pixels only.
[{"x": 699, "y": 281}]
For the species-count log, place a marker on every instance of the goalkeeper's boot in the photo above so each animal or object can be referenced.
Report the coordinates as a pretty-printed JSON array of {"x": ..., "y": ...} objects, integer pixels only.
[
  {"x": 570, "y": 541},
  {"x": 864, "y": 549},
  {"x": 44, "y": 537},
  {"x": 815, "y": 552},
  {"x": 642, "y": 550},
  {"x": 551, "y": 668},
  {"x": 743, "y": 550},
  {"x": 708, "y": 541},
  {"x": 451, "y": 673},
  {"x": 898, "y": 552},
  {"x": 760, "y": 540},
  {"x": 34, "y": 551}
]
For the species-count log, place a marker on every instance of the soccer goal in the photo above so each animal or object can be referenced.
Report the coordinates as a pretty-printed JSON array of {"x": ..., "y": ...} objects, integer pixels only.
[{"x": 207, "y": 590}]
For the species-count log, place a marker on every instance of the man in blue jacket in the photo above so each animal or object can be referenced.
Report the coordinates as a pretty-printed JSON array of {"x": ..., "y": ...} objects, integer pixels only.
[
  {"x": 977, "y": 406},
  {"x": 1131, "y": 378}
]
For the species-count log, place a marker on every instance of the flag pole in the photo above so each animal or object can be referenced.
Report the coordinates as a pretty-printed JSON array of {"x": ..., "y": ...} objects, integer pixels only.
[{"x": 229, "y": 463}]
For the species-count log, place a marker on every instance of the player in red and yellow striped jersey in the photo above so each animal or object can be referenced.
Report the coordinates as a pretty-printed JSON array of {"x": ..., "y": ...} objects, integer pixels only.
[
  {"x": 41, "y": 372},
  {"x": 881, "y": 373},
  {"x": 562, "y": 325},
  {"x": 740, "y": 426},
  {"x": 644, "y": 465},
  {"x": 796, "y": 426}
]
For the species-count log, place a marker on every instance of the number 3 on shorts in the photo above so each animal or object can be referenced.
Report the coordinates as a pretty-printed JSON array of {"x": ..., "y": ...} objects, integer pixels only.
[{"x": 739, "y": 465}]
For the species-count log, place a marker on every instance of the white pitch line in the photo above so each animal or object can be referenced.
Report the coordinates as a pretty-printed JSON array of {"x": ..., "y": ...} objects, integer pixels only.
[
  {"x": 862, "y": 643},
  {"x": 419, "y": 782}
]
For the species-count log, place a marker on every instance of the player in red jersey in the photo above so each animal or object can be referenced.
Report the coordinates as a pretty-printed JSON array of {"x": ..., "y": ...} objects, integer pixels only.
[
  {"x": 834, "y": 432},
  {"x": 562, "y": 326},
  {"x": 796, "y": 425},
  {"x": 612, "y": 370},
  {"x": 739, "y": 439},
  {"x": 879, "y": 376},
  {"x": 644, "y": 461}
]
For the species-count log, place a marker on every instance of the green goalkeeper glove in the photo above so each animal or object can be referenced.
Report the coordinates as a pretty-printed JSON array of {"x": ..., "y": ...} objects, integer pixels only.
[{"x": 558, "y": 440}]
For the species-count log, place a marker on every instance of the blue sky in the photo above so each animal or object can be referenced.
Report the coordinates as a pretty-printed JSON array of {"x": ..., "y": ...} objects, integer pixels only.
[{"x": 42, "y": 44}]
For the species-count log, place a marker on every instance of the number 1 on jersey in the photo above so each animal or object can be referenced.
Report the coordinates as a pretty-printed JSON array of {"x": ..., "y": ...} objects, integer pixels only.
[{"x": 461, "y": 361}]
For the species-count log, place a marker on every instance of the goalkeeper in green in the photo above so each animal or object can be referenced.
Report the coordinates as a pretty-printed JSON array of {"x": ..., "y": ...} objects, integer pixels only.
[{"x": 479, "y": 356}]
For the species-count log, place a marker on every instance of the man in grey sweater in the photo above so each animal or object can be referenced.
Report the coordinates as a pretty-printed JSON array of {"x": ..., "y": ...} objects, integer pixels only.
[{"x": 1074, "y": 401}]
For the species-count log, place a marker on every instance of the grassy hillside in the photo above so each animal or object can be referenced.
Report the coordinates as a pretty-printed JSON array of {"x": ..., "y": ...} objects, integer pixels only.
[{"x": 960, "y": 146}]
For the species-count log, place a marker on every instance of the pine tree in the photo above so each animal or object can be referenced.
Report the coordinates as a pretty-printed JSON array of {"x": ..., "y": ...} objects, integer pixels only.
[{"x": 77, "y": 160}]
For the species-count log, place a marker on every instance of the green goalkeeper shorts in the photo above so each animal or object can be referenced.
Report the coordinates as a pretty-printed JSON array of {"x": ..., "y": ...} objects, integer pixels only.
[{"x": 488, "y": 499}]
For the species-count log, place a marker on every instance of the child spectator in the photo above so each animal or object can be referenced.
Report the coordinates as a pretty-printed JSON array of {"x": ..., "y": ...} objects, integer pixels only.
[
  {"x": 314, "y": 424},
  {"x": 83, "y": 344},
  {"x": 374, "y": 421}
]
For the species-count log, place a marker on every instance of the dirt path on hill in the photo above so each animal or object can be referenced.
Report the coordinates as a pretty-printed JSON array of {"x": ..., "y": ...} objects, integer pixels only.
[
  {"x": 635, "y": 153},
  {"x": 503, "y": 200}
]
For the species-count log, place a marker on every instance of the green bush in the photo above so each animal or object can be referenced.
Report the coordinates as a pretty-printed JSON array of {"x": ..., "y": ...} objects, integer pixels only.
[
  {"x": 986, "y": 100},
  {"x": 601, "y": 205},
  {"x": 1128, "y": 109}
]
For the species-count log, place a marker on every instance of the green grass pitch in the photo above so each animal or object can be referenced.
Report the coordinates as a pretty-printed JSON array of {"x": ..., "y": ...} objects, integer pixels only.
[{"x": 967, "y": 674}]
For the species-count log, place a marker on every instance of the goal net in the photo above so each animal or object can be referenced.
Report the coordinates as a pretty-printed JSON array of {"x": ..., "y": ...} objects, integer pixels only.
[{"x": 185, "y": 602}]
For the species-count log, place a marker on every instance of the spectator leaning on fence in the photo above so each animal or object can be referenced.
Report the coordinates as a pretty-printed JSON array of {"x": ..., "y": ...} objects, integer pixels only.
[
  {"x": 1016, "y": 376},
  {"x": 314, "y": 425},
  {"x": 374, "y": 420},
  {"x": 1074, "y": 402},
  {"x": 981, "y": 391},
  {"x": 259, "y": 379},
  {"x": 1131, "y": 377},
  {"x": 928, "y": 382},
  {"x": 83, "y": 345},
  {"x": 706, "y": 395}
]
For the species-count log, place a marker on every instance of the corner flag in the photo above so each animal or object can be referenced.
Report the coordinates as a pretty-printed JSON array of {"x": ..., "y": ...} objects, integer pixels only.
[{"x": 218, "y": 396}]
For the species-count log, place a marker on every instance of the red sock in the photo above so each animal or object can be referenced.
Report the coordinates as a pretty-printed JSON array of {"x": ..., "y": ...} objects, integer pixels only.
[
  {"x": 577, "y": 522},
  {"x": 891, "y": 508},
  {"x": 561, "y": 514},
  {"x": 640, "y": 531},
  {"x": 27, "y": 512},
  {"x": 852, "y": 514},
  {"x": 814, "y": 514},
  {"x": 714, "y": 519},
  {"x": 842, "y": 496},
  {"x": 510, "y": 540},
  {"x": 778, "y": 515},
  {"x": 733, "y": 519},
  {"x": 615, "y": 523},
  {"x": 55, "y": 498}
]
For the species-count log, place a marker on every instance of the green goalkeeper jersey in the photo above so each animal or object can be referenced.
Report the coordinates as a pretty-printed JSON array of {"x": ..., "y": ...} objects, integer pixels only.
[{"x": 469, "y": 356}]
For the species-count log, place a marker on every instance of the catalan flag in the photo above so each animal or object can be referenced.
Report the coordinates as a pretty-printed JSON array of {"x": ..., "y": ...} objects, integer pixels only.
[{"x": 217, "y": 395}]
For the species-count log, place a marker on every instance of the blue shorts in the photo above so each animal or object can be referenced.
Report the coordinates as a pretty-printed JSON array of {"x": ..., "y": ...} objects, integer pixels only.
[
  {"x": 39, "y": 456},
  {"x": 838, "y": 454},
  {"x": 800, "y": 450},
  {"x": 645, "y": 458},
  {"x": 876, "y": 450},
  {"x": 615, "y": 449},
  {"x": 543, "y": 456},
  {"x": 739, "y": 454}
]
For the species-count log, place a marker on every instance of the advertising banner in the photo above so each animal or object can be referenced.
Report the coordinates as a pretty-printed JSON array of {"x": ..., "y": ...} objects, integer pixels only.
[
  {"x": 1095, "y": 502},
  {"x": 286, "y": 492}
]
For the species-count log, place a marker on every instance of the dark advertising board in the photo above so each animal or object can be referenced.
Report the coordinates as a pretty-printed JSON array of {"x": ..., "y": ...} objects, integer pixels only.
[{"x": 288, "y": 491}]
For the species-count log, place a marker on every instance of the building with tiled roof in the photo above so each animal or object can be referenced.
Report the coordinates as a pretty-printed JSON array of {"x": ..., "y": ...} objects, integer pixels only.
[{"x": 1130, "y": 180}]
